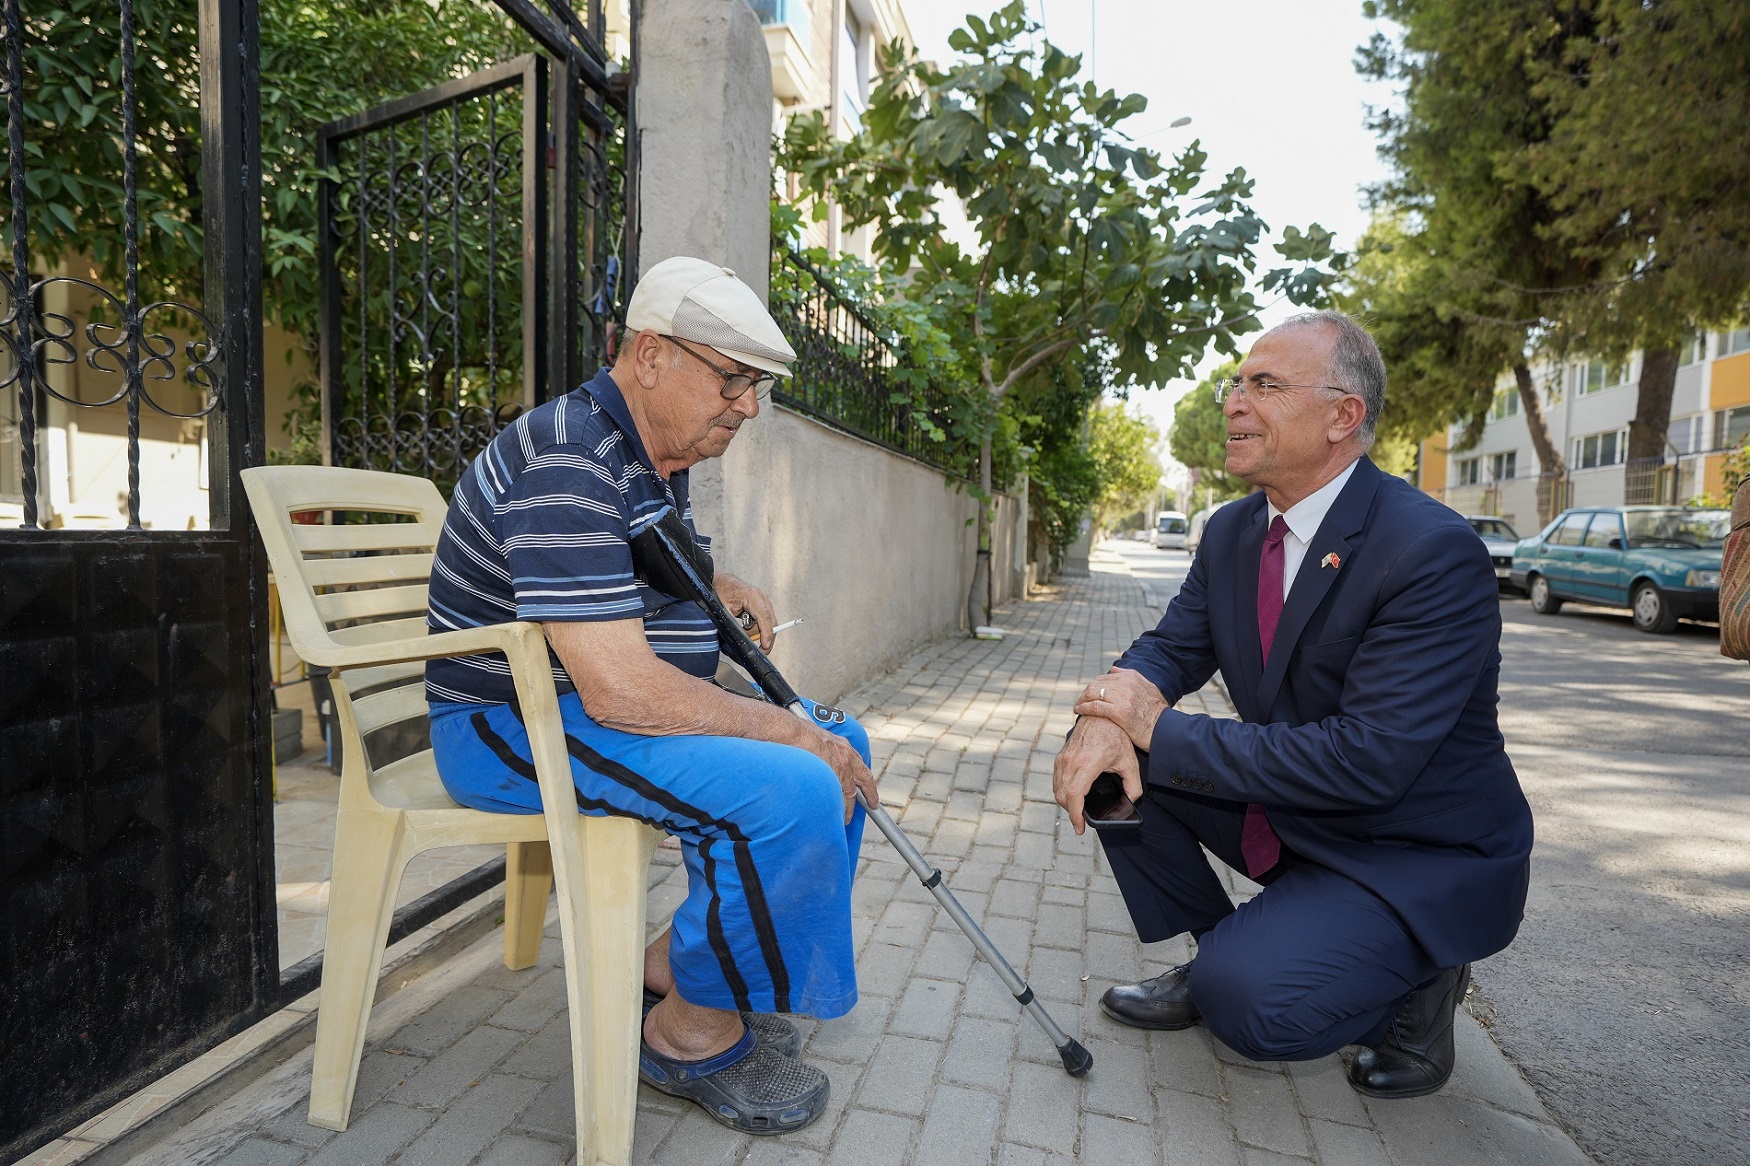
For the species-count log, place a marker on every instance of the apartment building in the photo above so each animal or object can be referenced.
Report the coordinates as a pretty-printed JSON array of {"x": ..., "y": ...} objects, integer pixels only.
[
  {"x": 826, "y": 57},
  {"x": 1588, "y": 406}
]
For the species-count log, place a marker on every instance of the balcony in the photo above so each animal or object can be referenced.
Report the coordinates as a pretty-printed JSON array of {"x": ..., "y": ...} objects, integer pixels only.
[{"x": 787, "y": 31}]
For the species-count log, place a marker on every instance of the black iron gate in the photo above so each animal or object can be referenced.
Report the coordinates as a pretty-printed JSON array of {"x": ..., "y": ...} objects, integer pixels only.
[
  {"x": 474, "y": 239},
  {"x": 137, "y": 921}
]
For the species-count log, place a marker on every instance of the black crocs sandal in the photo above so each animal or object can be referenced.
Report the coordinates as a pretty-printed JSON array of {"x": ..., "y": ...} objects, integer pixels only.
[
  {"x": 748, "y": 1087},
  {"x": 772, "y": 1031}
]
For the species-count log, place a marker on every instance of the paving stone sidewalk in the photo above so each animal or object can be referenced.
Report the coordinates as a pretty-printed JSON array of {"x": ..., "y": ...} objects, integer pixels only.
[{"x": 936, "y": 1064}]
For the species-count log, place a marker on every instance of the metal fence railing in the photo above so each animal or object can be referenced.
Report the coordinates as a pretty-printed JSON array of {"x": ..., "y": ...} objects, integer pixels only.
[
  {"x": 1526, "y": 502},
  {"x": 847, "y": 372}
]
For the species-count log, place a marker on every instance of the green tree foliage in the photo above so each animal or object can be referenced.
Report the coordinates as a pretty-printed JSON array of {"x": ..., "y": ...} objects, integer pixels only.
[
  {"x": 1563, "y": 181},
  {"x": 320, "y": 60},
  {"x": 1454, "y": 273},
  {"x": 1125, "y": 448},
  {"x": 1082, "y": 240},
  {"x": 1650, "y": 183}
]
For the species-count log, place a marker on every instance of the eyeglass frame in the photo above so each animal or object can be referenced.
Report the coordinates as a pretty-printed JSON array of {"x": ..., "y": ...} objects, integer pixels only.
[
  {"x": 1262, "y": 390},
  {"x": 762, "y": 384}
]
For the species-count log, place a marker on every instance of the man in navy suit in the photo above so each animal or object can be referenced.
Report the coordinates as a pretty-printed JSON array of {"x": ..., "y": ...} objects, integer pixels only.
[{"x": 1356, "y": 623}]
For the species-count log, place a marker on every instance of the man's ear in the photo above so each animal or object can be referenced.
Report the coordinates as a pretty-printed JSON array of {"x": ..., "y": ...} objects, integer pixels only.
[
  {"x": 644, "y": 353},
  {"x": 1346, "y": 418}
]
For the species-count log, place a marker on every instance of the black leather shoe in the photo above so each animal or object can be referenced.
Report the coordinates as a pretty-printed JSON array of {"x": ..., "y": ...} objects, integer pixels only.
[
  {"x": 1163, "y": 1002},
  {"x": 1416, "y": 1056}
]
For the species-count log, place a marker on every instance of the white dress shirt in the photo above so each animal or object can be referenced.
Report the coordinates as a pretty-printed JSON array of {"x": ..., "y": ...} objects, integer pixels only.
[{"x": 1304, "y": 518}]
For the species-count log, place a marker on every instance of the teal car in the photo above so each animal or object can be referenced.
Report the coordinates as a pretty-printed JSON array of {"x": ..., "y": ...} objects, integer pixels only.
[{"x": 1660, "y": 562}]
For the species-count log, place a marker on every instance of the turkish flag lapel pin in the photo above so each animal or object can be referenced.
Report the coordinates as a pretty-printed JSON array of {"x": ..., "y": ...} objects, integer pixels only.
[{"x": 1331, "y": 560}]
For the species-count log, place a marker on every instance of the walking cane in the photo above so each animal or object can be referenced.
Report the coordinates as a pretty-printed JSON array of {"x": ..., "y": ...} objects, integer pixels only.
[{"x": 665, "y": 551}]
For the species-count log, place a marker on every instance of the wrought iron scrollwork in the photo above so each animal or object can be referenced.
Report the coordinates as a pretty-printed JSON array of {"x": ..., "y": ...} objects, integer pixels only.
[
  {"x": 847, "y": 373},
  {"x": 114, "y": 349},
  {"x": 110, "y": 333},
  {"x": 437, "y": 259}
]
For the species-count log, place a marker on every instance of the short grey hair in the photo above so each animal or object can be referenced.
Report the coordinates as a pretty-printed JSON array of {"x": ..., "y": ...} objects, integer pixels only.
[{"x": 1356, "y": 365}]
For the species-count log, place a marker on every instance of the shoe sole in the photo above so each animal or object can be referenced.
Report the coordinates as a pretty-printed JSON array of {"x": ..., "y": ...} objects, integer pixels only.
[{"x": 1151, "y": 1026}]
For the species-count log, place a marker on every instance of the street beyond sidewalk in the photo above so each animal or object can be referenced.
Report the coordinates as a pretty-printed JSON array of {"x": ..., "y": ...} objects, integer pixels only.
[{"x": 936, "y": 1064}]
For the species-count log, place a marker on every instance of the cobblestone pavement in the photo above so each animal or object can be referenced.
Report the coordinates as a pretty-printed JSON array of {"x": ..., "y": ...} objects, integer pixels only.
[{"x": 936, "y": 1064}]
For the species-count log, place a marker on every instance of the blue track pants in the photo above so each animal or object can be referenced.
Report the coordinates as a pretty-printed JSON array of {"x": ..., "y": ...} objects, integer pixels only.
[{"x": 766, "y": 926}]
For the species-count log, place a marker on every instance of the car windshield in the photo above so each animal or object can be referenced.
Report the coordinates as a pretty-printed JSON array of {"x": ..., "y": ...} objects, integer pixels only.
[
  {"x": 1677, "y": 528},
  {"x": 1172, "y": 526},
  {"x": 1493, "y": 528}
]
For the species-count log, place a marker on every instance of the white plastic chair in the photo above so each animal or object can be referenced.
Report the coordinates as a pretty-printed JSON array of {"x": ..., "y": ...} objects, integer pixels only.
[{"x": 363, "y": 615}]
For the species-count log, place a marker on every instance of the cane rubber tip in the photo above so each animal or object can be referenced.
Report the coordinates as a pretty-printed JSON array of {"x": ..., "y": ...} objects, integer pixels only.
[{"x": 1076, "y": 1059}]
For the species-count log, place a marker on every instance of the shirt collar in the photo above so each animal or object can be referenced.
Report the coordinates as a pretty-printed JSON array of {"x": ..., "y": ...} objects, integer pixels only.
[
  {"x": 1305, "y": 517},
  {"x": 607, "y": 394}
]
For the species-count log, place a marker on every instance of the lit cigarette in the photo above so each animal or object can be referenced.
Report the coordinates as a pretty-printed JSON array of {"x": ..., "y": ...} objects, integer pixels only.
[{"x": 786, "y": 626}]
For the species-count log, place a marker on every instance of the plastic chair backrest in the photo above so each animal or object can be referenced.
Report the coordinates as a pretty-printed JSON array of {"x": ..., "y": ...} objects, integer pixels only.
[{"x": 362, "y": 582}]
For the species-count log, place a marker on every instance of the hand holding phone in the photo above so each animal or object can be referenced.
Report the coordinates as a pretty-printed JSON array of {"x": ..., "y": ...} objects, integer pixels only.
[{"x": 1107, "y": 807}]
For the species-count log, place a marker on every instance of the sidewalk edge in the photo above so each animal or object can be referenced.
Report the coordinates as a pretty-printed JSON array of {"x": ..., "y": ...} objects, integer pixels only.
[{"x": 157, "y": 1111}]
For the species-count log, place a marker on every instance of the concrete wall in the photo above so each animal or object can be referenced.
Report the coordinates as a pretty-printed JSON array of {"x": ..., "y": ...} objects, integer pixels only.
[{"x": 873, "y": 549}]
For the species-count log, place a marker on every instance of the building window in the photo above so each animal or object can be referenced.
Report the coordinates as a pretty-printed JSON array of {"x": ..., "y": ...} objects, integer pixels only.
[
  {"x": 853, "y": 75},
  {"x": 1737, "y": 341},
  {"x": 1693, "y": 350},
  {"x": 1731, "y": 427},
  {"x": 1600, "y": 449},
  {"x": 1506, "y": 404},
  {"x": 1685, "y": 434},
  {"x": 1503, "y": 466},
  {"x": 1596, "y": 376},
  {"x": 791, "y": 12},
  {"x": 1469, "y": 471}
]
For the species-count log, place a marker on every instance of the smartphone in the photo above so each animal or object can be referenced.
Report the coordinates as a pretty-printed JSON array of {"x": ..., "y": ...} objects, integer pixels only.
[{"x": 1106, "y": 807}]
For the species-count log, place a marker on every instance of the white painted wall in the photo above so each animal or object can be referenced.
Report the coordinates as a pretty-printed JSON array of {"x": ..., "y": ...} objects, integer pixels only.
[{"x": 873, "y": 549}]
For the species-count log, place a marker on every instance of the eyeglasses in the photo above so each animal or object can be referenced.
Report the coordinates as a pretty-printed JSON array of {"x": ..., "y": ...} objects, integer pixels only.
[
  {"x": 1259, "y": 389},
  {"x": 734, "y": 383}
]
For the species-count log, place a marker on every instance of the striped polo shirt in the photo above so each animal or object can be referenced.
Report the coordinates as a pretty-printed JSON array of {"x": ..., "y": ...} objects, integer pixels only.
[{"x": 538, "y": 530}]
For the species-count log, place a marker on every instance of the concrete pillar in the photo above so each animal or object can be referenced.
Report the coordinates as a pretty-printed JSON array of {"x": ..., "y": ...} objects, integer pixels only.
[
  {"x": 704, "y": 105},
  {"x": 704, "y": 94}
]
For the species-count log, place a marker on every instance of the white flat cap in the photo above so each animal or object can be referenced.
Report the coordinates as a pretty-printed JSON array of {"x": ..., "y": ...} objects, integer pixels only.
[{"x": 691, "y": 299}]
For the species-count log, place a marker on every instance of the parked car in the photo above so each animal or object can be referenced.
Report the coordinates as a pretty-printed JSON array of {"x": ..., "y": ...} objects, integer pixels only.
[
  {"x": 1170, "y": 528},
  {"x": 1500, "y": 537},
  {"x": 1660, "y": 562}
]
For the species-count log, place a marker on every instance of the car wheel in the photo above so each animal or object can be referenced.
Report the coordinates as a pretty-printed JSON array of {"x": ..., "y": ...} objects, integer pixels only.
[
  {"x": 1652, "y": 610},
  {"x": 1543, "y": 602}
]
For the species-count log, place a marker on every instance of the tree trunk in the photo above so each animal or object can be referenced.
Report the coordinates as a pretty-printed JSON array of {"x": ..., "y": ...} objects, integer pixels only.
[
  {"x": 1649, "y": 431},
  {"x": 978, "y": 600},
  {"x": 1553, "y": 468}
]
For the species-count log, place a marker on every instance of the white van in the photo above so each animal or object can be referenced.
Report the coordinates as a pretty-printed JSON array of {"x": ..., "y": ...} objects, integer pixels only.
[
  {"x": 1170, "y": 528},
  {"x": 1198, "y": 522}
]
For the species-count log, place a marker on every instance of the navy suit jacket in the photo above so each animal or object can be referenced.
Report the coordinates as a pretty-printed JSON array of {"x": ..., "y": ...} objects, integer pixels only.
[{"x": 1371, "y": 735}]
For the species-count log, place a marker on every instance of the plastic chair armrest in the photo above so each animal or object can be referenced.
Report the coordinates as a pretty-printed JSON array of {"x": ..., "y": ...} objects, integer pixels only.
[{"x": 509, "y": 638}]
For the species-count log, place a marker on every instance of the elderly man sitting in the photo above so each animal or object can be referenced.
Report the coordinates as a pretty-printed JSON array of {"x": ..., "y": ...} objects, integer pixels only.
[{"x": 763, "y": 803}]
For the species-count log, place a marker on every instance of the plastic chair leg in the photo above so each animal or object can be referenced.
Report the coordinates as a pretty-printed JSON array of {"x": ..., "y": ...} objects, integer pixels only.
[
  {"x": 368, "y": 860},
  {"x": 528, "y": 881},
  {"x": 604, "y": 967}
]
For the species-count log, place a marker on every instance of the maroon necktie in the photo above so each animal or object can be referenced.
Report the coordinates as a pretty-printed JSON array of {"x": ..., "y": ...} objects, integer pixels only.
[{"x": 1259, "y": 845}]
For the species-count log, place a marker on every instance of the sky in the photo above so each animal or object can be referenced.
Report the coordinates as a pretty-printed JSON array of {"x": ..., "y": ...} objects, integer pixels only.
[{"x": 1269, "y": 85}]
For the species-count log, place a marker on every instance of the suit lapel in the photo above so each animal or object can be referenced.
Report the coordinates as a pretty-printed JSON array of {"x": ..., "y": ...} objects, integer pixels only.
[{"x": 1316, "y": 576}]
